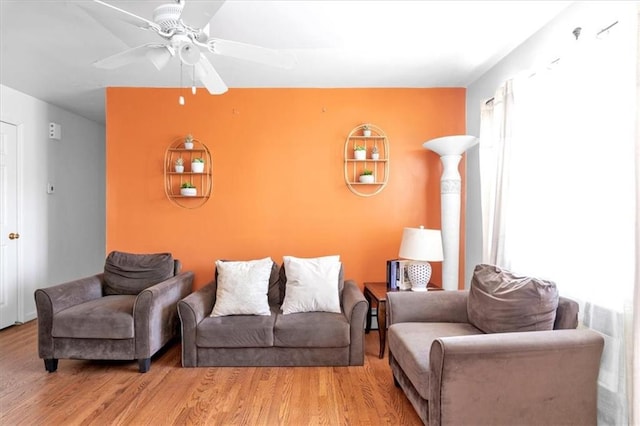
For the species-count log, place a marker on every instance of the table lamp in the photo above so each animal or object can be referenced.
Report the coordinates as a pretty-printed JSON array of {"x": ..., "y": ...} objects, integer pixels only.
[{"x": 421, "y": 246}]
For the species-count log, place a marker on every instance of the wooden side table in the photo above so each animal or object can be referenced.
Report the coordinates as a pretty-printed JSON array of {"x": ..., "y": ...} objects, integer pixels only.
[{"x": 378, "y": 291}]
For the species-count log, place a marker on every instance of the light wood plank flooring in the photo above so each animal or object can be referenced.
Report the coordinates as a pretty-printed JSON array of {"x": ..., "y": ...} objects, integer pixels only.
[{"x": 114, "y": 393}]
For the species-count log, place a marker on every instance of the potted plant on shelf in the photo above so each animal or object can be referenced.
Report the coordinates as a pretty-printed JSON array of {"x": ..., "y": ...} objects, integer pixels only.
[
  {"x": 360, "y": 152},
  {"x": 179, "y": 166},
  {"x": 188, "y": 142},
  {"x": 375, "y": 153},
  {"x": 366, "y": 176},
  {"x": 197, "y": 165},
  {"x": 366, "y": 130},
  {"x": 188, "y": 189}
]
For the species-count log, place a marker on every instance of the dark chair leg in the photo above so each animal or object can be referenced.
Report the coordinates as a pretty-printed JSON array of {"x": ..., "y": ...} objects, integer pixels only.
[
  {"x": 51, "y": 365},
  {"x": 395, "y": 381},
  {"x": 144, "y": 364}
]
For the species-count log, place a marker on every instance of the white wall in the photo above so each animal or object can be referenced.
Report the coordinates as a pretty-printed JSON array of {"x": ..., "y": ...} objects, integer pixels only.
[
  {"x": 549, "y": 43},
  {"x": 62, "y": 235}
]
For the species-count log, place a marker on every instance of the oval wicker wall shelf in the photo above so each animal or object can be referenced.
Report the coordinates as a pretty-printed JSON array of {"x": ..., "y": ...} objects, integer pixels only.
[
  {"x": 372, "y": 139},
  {"x": 173, "y": 180}
]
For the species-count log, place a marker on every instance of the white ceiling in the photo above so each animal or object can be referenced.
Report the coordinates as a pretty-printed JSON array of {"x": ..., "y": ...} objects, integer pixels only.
[{"x": 48, "y": 46}]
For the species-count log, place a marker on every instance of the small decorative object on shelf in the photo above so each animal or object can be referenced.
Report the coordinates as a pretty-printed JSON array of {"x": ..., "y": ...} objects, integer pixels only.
[
  {"x": 188, "y": 142},
  {"x": 188, "y": 190},
  {"x": 366, "y": 176},
  {"x": 179, "y": 166},
  {"x": 366, "y": 130},
  {"x": 375, "y": 153},
  {"x": 360, "y": 152},
  {"x": 197, "y": 165}
]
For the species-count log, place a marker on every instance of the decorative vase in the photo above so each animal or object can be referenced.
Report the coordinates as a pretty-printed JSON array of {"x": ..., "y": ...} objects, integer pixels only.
[
  {"x": 188, "y": 192},
  {"x": 360, "y": 154},
  {"x": 366, "y": 179},
  {"x": 366, "y": 133},
  {"x": 179, "y": 169},
  {"x": 375, "y": 156},
  {"x": 188, "y": 145},
  {"x": 197, "y": 167}
]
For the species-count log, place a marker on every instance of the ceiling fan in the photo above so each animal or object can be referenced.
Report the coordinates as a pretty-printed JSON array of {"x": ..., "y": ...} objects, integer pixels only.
[{"x": 188, "y": 43}]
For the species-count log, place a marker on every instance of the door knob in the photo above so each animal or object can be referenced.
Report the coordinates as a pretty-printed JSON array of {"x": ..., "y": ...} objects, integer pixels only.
[{"x": 13, "y": 236}]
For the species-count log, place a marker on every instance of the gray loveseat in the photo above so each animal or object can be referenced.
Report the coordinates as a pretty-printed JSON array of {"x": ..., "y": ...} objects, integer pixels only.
[
  {"x": 299, "y": 339},
  {"x": 455, "y": 374}
]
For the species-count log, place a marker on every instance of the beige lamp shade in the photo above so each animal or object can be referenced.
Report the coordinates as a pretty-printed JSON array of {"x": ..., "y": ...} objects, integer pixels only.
[{"x": 421, "y": 244}]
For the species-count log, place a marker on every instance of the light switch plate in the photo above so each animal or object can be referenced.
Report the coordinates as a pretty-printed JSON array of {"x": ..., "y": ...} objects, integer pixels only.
[{"x": 50, "y": 188}]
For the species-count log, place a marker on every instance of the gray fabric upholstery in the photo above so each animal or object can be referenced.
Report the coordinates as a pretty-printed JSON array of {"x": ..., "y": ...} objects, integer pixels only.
[
  {"x": 75, "y": 319},
  {"x": 304, "y": 339},
  {"x": 500, "y": 301},
  {"x": 454, "y": 374},
  {"x": 109, "y": 317},
  {"x": 130, "y": 273}
]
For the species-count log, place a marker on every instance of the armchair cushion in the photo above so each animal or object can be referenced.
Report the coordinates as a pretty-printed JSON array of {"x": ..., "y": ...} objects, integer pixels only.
[
  {"x": 500, "y": 301},
  {"x": 109, "y": 317},
  {"x": 242, "y": 287},
  {"x": 128, "y": 273},
  {"x": 312, "y": 284}
]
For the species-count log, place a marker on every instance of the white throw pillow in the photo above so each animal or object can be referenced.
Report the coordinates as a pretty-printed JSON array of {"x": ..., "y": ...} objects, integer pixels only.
[
  {"x": 312, "y": 284},
  {"x": 242, "y": 287}
]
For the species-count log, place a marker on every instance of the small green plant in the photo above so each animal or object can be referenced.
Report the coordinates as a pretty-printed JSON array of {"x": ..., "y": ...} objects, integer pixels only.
[
  {"x": 179, "y": 161},
  {"x": 366, "y": 172},
  {"x": 198, "y": 160},
  {"x": 374, "y": 150},
  {"x": 366, "y": 127},
  {"x": 188, "y": 138},
  {"x": 359, "y": 148},
  {"x": 187, "y": 185}
]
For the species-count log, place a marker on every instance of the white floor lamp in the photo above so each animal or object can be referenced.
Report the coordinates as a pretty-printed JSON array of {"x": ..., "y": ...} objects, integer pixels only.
[{"x": 450, "y": 149}]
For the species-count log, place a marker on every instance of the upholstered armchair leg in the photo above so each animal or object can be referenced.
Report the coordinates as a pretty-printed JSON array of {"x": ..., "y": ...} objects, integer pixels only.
[
  {"x": 144, "y": 364},
  {"x": 51, "y": 365}
]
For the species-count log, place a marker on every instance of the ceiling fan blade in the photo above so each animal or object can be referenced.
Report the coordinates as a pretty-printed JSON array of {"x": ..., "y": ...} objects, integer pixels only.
[
  {"x": 122, "y": 15},
  {"x": 158, "y": 54},
  {"x": 198, "y": 13},
  {"x": 209, "y": 77},
  {"x": 252, "y": 53}
]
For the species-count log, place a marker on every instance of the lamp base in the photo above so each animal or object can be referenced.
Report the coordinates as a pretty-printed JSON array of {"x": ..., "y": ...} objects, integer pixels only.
[{"x": 419, "y": 275}]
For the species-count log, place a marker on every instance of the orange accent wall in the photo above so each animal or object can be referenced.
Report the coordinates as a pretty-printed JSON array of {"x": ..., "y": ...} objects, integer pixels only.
[{"x": 278, "y": 185}]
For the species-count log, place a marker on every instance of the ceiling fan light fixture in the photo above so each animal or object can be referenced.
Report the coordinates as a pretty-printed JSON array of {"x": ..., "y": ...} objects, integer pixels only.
[{"x": 189, "y": 54}]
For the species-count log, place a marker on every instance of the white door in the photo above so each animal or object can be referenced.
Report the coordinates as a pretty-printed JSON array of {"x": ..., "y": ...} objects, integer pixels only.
[{"x": 9, "y": 234}]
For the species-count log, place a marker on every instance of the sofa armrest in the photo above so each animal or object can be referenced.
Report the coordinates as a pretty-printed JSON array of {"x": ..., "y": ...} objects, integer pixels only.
[
  {"x": 155, "y": 313},
  {"x": 428, "y": 306},
  {"x": 52, "y": 300},
  {"x": 193, "y": 309},
  {"x": 355, "y": 308},
  {"x": 545, "y": 377}
]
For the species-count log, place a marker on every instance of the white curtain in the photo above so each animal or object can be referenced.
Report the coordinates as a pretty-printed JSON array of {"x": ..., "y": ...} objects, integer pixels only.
[{"x": 558, "y": 181}]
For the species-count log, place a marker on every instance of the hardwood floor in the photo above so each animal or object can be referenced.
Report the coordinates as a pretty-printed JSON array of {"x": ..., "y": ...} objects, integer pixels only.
[{"x": 114, "y": 393}]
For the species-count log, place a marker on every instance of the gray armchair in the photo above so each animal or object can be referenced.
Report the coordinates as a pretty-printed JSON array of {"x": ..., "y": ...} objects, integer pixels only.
[
  {"x": 454, "y": 373},
  {"x": 127, "y": 312}
]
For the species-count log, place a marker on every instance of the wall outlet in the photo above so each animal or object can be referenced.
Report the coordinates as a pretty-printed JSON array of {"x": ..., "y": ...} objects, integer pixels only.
[
  {"x": 55, "y": 131},
  {"x": 50, "y": 188}
]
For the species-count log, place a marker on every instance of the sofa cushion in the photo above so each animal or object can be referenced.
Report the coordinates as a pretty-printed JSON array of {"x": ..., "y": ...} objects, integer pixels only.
[
  {"x": 312, "y": 330},
  {"x": 501, "y": 301},
  {"x": 410, "y": 343},
  {"x": 237, "y": 331},
  {"x": 109, "y": 317},
  {"x": 312, "y": 284},
  {"x": 129, "y": 273},
  {"x": 242, "y": 287}
]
